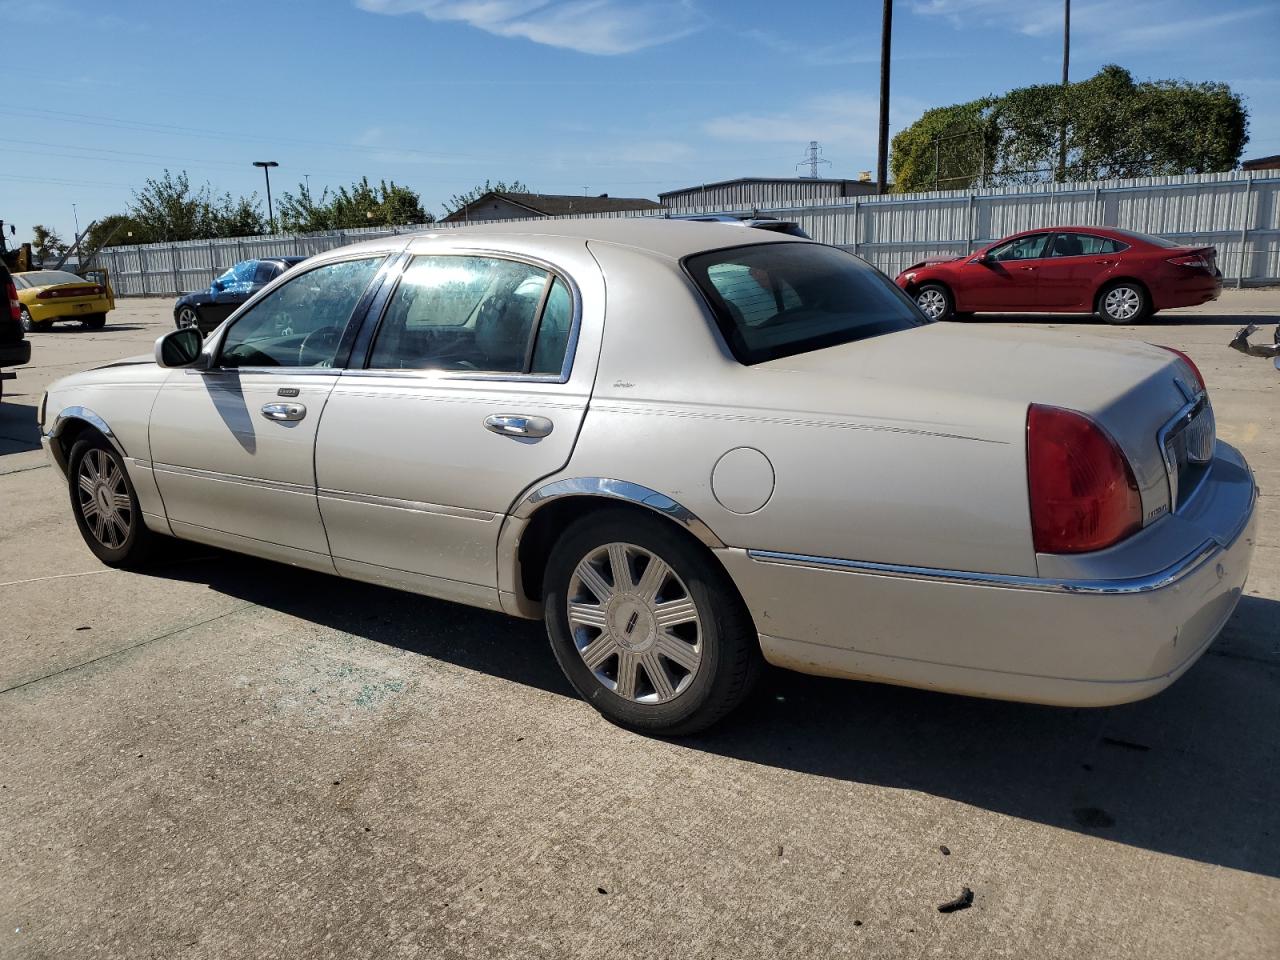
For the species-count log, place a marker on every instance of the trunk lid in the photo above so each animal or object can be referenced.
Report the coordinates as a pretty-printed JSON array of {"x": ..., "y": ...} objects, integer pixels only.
[{"x": 958, "y": 373}]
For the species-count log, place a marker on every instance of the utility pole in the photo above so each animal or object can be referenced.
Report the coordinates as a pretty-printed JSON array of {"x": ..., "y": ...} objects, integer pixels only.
[
  {"x": 886, "y": 42},
  {"x": 813, "y": 158},
  {"x": 266, "y": 166},
  {"x": 1066, "y": 79}
]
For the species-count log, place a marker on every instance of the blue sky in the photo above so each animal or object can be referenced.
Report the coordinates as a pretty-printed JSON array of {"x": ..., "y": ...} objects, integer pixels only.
[{"x": 626, "y": 97}]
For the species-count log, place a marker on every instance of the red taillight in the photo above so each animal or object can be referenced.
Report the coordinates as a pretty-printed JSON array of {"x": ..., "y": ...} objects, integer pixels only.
[
  {"x": 1191, "y": 260},
  {"x": 1189, "y": 362},
  {"x": 1082, "y": 490},
  {"x": 15, "y": 306}
]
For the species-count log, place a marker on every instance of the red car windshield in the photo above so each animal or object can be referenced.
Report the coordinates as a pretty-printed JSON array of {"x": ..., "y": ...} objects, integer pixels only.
[{"x": 777, "y": 299}]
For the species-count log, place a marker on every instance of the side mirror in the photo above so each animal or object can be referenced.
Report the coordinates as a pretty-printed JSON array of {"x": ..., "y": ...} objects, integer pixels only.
[
  {"x": 179, "y": 348},
  {"x": 981, "y": 258},
  {"x": 216, "y": 286}
]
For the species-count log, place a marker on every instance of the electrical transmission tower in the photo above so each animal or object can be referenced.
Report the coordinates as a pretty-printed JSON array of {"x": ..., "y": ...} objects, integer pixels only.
[{"x": 812, "y": 158}]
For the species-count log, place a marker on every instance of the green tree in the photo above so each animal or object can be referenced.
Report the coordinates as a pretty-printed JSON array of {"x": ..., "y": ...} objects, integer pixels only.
[
  {"x": 45, "y": 243},
  {"x": 360, "y": 205},
  {"x": 1114, "y": 128},
  {"x": 236, "y": 217},
  {"x": 118, "y": 229},
  {"x": 169, "y": 209},
  {"x": 460, "y": 200}
]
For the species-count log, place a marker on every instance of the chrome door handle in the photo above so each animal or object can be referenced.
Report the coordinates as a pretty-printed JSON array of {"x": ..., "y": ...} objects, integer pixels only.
[
  {"x": 284, "y": 411},
  {"x": 514, "y": 425}
]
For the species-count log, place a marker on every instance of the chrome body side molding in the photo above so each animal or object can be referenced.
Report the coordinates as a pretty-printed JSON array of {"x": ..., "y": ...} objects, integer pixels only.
[
  {"x": 1170, "y": 575},
  {"x": 618, "y": 490}
]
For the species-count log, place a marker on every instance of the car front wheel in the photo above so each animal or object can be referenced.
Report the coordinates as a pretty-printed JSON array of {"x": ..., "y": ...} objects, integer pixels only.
[
  {"x": 648, "y": 629},
  {"x": 934, "y": 301},
  {"x": 187, "y": 317},
  {"x": 105, "y": 504}
]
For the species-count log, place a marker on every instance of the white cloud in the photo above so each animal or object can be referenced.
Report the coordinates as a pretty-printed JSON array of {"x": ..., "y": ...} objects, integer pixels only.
[
  {"x": 1101, "y": 28},
  {"x": 602, "y": 27}
]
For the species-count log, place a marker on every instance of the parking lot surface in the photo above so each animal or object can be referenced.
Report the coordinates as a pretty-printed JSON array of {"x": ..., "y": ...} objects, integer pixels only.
[{"x": 222, "y": 757}]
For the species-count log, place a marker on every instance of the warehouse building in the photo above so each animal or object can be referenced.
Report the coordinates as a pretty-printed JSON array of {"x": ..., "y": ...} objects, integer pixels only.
[
  {"x": 517, "y": 206},
  {"x": 765, "y": 191}
]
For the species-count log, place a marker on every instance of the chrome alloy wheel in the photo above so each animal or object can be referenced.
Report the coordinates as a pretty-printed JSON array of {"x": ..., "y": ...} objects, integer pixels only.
[
  {"x": 1122, "y": 303},
  {"x": 187, "y": 318},
  {"x": 932, "y": 303},
  {"x": 634, "y": 623},
  {"x": 104, "y": 499}
]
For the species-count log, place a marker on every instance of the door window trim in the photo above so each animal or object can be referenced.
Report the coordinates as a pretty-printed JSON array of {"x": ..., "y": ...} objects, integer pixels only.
[
  {"x": 343, "y": 355},
  {"x": 358, "y": 361},
  {"x": 1121, "y": 246}
]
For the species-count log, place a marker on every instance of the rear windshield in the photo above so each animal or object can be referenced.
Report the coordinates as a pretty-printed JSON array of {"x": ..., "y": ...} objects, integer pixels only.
[
  {"x": 1148, "y": 238},
  {"x": 45, "y": 278},
  {"x": 778, "y": 299}
]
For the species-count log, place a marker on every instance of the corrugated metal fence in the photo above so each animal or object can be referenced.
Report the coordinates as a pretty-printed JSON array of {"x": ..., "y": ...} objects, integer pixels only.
[{"x": 1237, "y": 213}]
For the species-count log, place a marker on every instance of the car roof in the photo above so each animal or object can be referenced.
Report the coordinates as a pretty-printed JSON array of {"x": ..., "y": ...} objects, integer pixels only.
[{"x": 660, "y": 236}]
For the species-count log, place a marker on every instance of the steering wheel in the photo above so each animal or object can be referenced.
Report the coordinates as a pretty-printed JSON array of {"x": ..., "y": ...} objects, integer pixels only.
[{"x": 323, "y": 338}]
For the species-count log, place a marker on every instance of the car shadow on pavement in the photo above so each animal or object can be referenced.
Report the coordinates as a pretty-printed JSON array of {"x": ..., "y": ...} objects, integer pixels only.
[
  {"x": 1193, "y": 772},
  {"x": 69, "y": 329},
  {"x": 18, "y": 430}
]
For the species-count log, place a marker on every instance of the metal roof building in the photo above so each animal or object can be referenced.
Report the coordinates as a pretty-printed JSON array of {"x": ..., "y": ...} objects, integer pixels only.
[{"x": 765, "y": 191}]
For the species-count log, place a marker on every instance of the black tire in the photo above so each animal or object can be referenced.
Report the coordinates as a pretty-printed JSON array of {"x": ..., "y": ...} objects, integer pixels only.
[
  {"x": 29, "y": 325},
  {"x": 135, "y": 546},
  {"x": 935, "y": 301},
  {"x": 1123, "y": 302},
  {"x": 187, "y": 316},
  {"x": 730, "y": 660},
  {"x": 94, "y": 321}
]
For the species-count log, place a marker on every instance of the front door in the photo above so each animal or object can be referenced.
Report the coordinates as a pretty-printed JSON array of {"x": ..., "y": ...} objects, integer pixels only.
[
  {"x": 467, "y": 398},
  {"x": 233, "y": 445},
  {"x": 1008, "y": 278}
]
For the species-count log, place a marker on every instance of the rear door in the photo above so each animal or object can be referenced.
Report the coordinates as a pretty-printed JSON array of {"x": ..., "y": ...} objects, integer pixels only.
[
  {"x": 1011, "y": 274},
  {"x": 1076, "y": 265},
  {"x": 471, "y": 391}
]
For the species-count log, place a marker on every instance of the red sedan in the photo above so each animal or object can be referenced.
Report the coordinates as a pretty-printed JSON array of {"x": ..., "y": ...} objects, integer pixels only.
[{"x": 1122, "y": 276}]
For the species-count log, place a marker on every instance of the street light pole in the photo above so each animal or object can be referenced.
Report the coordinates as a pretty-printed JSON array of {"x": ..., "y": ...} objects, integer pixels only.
[
  {"x": 886, "y": 41},
  {"x": 266, "y": 166},
  {"x": 1066, "y": 72}
]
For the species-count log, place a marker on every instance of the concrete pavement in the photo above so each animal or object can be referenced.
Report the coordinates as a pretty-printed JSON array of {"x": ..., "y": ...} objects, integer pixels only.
[{"x": 229, "y": 758}]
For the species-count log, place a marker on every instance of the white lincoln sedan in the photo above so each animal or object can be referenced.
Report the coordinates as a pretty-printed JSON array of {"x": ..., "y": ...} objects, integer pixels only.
[{"x": 692, "y": 448}]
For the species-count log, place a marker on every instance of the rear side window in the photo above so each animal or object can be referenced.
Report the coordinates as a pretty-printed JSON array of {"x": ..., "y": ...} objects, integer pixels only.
[
  {"x": 482, "y": 314},
  {"x": 1084, "y": 245},
  {"x": 777, "y": 299}
]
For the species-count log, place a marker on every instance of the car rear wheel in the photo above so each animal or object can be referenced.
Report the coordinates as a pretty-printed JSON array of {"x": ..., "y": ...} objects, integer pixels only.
[
  {"x": 29, "y": 325},
  {"x": 934, "y": 301},
  {"x": 187, "y": 317},
  {"x": 645, "y": 625},
  {"x": 95, "y": 321},
  {"x": 105, "y": 504},
  {"x": 1124, "y": 302}
]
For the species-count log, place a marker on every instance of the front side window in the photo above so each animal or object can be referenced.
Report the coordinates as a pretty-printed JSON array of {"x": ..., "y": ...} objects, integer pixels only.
[
  {"x": 1024, "y": 248},
  {"x": 301, "y": 323},
  {"x": 477, "y": 314},
  {"x": 266, "y": 272},
  {"x": 773, "y": 300}
]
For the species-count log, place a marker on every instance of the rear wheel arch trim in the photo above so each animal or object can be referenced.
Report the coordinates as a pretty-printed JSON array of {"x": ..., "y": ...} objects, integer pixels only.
[{"x": 607, "y": 488}]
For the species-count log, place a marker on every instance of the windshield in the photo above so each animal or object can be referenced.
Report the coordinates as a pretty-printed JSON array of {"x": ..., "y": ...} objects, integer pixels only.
[
  {"x": 1148, "y": 238},
  {"x": 777, "y": 299},
  {"x": 45, "y": 278}
]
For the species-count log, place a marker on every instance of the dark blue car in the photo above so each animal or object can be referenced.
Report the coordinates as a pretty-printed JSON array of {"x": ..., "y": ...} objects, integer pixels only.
[{"x": 208, "y": 308}]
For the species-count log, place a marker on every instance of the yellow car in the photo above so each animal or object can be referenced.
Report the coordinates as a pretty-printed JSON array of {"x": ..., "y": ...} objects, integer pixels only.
[{"x": 47, "y": 296}]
